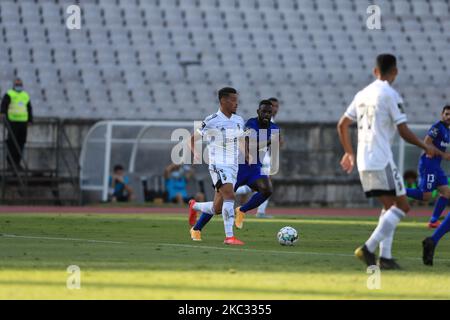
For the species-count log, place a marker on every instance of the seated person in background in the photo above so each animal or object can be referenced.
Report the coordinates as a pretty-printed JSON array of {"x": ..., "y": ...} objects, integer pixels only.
[
  {"x": 121, "y": 185},
  {"x": 410, "y": 177},
  {"x": 176, "y": 180}
]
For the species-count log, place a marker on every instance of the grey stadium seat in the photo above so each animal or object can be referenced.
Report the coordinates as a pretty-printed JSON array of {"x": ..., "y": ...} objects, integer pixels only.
[{"x": 311, "y": 53}]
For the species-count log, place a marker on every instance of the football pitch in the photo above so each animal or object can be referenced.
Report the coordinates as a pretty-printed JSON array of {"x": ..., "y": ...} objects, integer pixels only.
[{"x": 126, "y": 256}]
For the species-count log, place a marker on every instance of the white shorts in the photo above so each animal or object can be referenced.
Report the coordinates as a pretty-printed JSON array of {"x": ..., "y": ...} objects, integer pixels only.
[
  {"x": 383, "y": 182},
  {"x": 221, "y": 175}
]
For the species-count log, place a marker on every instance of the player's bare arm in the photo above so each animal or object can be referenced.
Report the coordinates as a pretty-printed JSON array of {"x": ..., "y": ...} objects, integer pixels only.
[
  {"x": 244, "y": 148},
  {"x": 348, "y": 160},
  {"x": 410, "y": 137},
  {"x": 445, "y": 155},
  {"x": 194, "y": 138}
]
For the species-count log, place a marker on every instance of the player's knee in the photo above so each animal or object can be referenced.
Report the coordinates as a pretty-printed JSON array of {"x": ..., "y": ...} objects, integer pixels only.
[
  {"x": 217, "y": 208},
  {"x": 427, "y": 196},
  {"x": 227, "y": 192},
  {"x": 229, "y": 196},
  {"x": 446, "y": 193},
  {"x": 405, "y": 207}
]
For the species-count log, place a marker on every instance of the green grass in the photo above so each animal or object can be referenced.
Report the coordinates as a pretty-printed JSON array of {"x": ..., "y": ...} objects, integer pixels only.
[{"x": 155, "y": 259}]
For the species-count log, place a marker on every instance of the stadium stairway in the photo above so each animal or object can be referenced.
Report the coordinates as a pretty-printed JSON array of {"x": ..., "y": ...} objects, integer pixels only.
[
  {"x": 41, "y": 186},
  {"x": 35, "y": 187}
]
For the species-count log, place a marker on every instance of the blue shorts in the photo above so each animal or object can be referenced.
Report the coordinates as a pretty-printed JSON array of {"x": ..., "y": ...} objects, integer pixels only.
[
  {"x": 431, "y": 178},
  {"x": 248, "y": 174}
]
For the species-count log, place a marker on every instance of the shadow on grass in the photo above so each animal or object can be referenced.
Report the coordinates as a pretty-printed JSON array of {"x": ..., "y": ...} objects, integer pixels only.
[{"x": 282, "y": 291}]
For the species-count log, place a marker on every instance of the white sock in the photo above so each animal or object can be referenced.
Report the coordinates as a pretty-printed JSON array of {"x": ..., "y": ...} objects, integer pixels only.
[
  {"x": 386, "y": 244},
  {"x": 206, "y": 207},
  {"x": 262, "y": 207},
  {"x": 385, "y": 228},
  {"x": 228, "y": 217}
]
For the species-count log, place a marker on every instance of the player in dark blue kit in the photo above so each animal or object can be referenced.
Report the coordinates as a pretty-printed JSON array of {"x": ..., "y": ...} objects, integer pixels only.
[
  {"x": 430, "y": 243},
  {"x": 431, "y": 174},
  {"x": 251, "y": 172}
]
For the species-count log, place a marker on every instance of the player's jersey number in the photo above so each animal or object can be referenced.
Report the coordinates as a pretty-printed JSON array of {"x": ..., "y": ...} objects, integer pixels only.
[
  {"x": 430, "y": 181},
  {"x": 366, "y": 121}
]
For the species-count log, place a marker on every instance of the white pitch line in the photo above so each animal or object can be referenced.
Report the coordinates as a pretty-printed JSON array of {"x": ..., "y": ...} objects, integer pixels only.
[
  {"x": 256, "y": 250},
  {"x": 12, "y": 236},
  {"x": 281, "y": 252}
]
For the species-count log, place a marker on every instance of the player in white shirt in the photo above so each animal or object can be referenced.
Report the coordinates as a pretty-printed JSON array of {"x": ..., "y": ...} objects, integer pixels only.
[
  {"x": 378, "y": 111},
  {"x": 223, "y": 132}
]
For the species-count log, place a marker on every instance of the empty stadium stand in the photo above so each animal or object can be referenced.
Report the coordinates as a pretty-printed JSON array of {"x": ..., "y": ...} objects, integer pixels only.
[{"x": 152, "y": 59}]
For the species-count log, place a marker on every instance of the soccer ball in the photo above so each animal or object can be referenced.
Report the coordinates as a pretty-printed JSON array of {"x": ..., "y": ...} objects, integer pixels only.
[{"x": 287, "y": 236}]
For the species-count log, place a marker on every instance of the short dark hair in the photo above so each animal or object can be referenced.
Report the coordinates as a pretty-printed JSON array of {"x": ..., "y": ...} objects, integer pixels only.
[
  {"x": 117, "y": 167},
  {"x": 225, "y": 92},
  {"x": 265, "y": 102},
  {"x": 447, "y": 107},
  {"x": 386, "y": 62},
  {"x": 273, "y": 99}
]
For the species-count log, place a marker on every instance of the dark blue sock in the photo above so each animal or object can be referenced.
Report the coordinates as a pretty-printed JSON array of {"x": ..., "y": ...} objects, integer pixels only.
[
  {"x": 442, "y": 230},
  {"x": 255, "y": 201},
  {"x": 202, "y": 221},
  {"x": 441, "y": 203},
  {"x": 415, "y": 194}
]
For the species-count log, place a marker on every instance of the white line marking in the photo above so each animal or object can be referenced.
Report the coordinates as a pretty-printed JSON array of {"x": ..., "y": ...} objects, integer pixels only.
[
  {"x": 13, "y": 236},
  {"x": 255, "y": 250},
  {"x": 280, "y": 252}
]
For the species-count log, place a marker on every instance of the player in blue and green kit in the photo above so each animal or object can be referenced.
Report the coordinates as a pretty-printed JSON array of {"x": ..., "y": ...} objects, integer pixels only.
[
  {"x": 432, "y": 176},
  {"x": 250, "y": 174}
]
